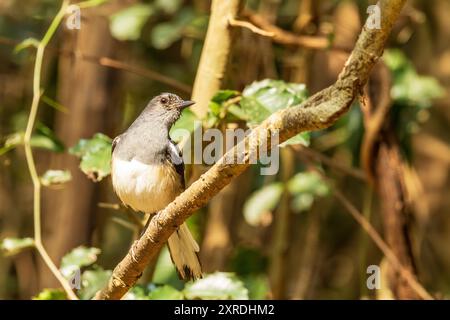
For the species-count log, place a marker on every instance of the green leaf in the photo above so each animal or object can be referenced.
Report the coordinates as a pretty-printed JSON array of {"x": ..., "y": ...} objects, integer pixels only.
[
  {"x": 186, "y": 122},
  {"x": 262, "y": 98},
  {"x": 396, "y": 60},
  {"x": 51, "y": 294},
  {"x": 308, "y": 182},
  {"x": 12, "y": 246},
  {"x": 95, "y": 156},
  {"x": 217, "y": 110},
  {"x": 77, "y": 258},
  {"x": 302, "y": 138},
  {"x": 261, "y": 202},
  {"x": 29, "y": 42},
  {"x": 54, "y": 104},
  {"x": 165, "y": 34},
  {"x": 165, "y": 271},
  {"x": 128, "y": 23},
  {"x": 52, "y": 177},
  {"x": 305, "y": 186},
  {"x": 165, "y": 292},
  {"x": 258, "y": 286},
  {"x": 43, "y": 138},
  {"x": 408, "y": 86},
  {"x": 137, "y": 292},
  {"x": 154, "y": 292},
  {"x": 222, "y": 96},
  {"x": 237, "y": 112},
  {"x": 217, "y": 286},
  {"x": 416, "y": 90},
  {"x": 168, "y": 6},
  {"x": 93, "y": 281},
  {"x": 302, "y": 202}
]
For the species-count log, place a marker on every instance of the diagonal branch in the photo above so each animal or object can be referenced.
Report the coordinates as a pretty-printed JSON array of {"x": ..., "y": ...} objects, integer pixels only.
[
  {"x": 384, "y": 247},
  {"x": 318, "y": 112}
]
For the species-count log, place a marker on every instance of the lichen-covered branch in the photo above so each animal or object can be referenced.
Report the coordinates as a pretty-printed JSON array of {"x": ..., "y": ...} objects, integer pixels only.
[{"x": 318, "y": 112}]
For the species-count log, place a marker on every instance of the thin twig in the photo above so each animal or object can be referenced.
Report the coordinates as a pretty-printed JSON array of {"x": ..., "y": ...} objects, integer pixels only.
[
  {"x": 317, "y": 156},
  {"x": 382, "y": 245},
  {"x": 144, "y": 72},
  {"x": 115, "y": 64},
  {"x": 245, "y": 24},
  {"x": 285, "y": 37},
  {"x": 106, "y": 205},
  {"x": 29, "y": 153},
  {"x": 125, "y": 223}
]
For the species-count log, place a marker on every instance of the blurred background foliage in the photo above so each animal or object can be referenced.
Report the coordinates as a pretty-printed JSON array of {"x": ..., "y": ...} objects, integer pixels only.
[{"x": 280, "y": 236}]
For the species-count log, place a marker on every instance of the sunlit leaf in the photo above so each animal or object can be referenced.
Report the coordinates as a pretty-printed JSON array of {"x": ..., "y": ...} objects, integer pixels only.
[
  {"x": 128, "y": 23},
  {"x": 95, "y": 156},
  {"x": 308, "y": 182},
  {"x": 12, "y": 246},
  {"x": 237, "y": 112},
  {"x": 166, "y": 33},
  {"x": 262, "y": 202},
  {"x": 216, "y": 107},
  {"x": 224, "y": 95},
  {"x": 51, "y": 294},
  {"x": 168, "y": 6},
  {"x": 408, "y": 86},
  {"x": 77, "y": 258},
  {"x": 302, "y": 202},
  {"x": 43, "y": 138},
  {"x": 93, "y": 281},
  {"x": 154, "y": 292},
  {"x": 138, "y": 292},
  {"x": 262, "y": 98},
  {"x": 217, "y": 286},
  {"x": 305, "y": 186},
  {"x": 54, "y": 177},
  {"x": 165, "y": 292},
  {"x": 302, "y": 138},
  {"x": 258, "y": 286}
]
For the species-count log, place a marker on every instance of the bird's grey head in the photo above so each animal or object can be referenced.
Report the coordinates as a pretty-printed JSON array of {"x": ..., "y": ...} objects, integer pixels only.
[{"x": 167, "y": 108}]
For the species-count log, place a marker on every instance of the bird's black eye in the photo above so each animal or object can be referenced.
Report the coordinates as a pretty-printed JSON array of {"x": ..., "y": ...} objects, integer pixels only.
[{"x": 164, "y": 100}]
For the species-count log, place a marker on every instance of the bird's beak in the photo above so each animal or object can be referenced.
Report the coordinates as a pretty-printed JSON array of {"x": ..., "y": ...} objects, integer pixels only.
[{"x": 186, "y": 103}]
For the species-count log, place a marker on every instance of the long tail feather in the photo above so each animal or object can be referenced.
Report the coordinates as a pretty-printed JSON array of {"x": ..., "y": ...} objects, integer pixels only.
[{"x": 184, "y": 253}]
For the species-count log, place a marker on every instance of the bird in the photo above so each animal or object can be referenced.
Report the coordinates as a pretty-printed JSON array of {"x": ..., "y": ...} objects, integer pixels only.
[{"x": 147, "y": 172}]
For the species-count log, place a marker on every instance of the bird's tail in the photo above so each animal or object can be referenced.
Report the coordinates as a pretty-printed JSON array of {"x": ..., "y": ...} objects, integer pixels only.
[{"x": 184, "y": 253}]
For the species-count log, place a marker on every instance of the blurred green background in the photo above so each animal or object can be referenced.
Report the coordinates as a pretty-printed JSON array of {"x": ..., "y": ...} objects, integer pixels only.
[{"x": 263, "y": 237}]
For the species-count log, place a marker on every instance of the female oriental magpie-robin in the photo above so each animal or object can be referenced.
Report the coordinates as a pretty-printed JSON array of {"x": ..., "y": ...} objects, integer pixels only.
[{"x": 147, "y": 173}]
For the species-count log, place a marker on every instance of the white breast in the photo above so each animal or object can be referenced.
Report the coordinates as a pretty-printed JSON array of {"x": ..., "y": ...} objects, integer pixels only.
[{"x": 144, "y": 187}]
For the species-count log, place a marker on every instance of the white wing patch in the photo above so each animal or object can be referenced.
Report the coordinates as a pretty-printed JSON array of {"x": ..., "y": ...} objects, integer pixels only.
[
  {"x": 144, "y": 187},
  {"x": 175, "y": 154}
]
